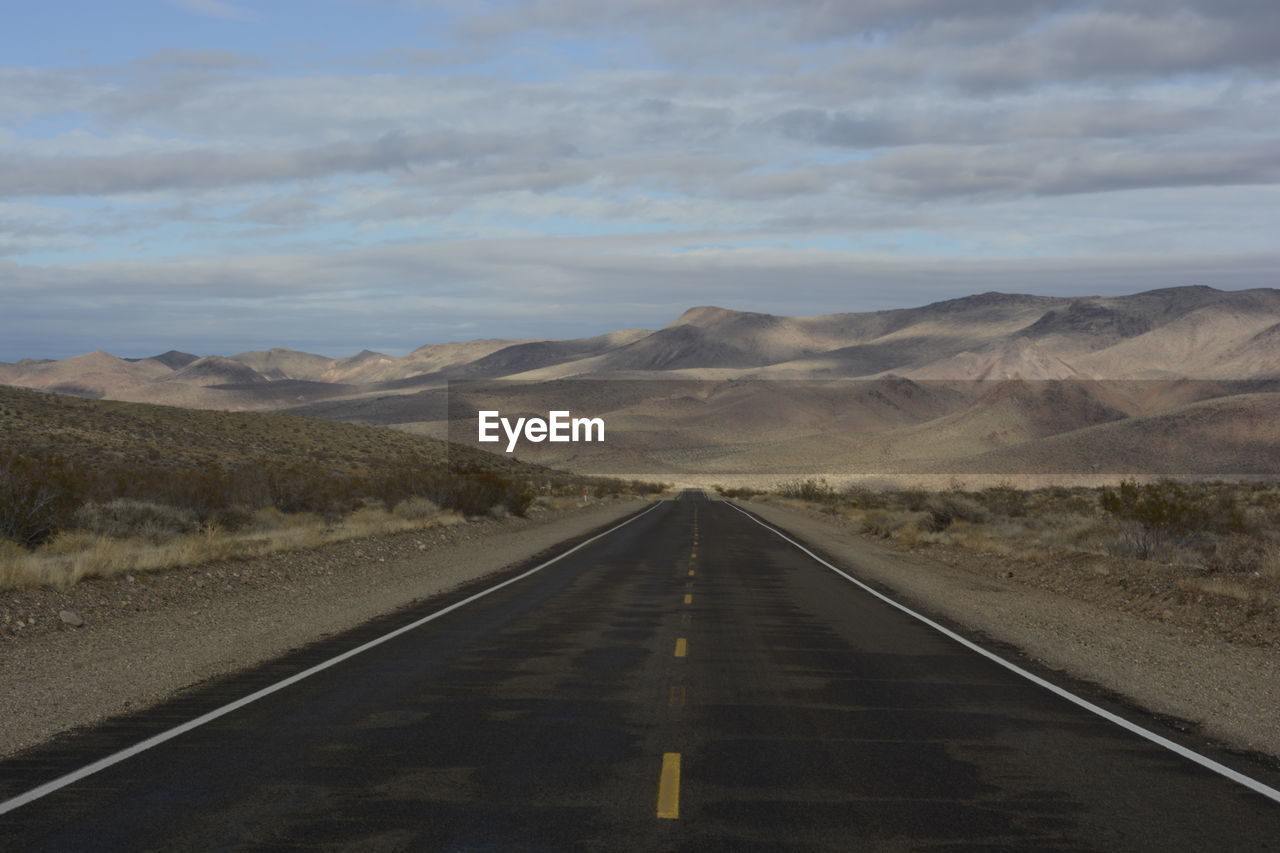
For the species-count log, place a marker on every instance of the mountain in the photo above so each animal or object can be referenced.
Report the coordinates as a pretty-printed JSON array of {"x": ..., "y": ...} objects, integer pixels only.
[
  {"x": 984, "y": 378},
  {"x": 214, "y": 370},
  {"x": 173, "y": 359},
  {"x": 94, "y": 374},
  {"x": 280, "y": 363}
]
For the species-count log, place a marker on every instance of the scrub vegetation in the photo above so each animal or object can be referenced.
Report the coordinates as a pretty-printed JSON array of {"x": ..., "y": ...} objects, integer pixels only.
[
  {"x": 93, "y": 488},
  {"x": 1202, "y": 553},
  {"x": 1217, "y": 527}
]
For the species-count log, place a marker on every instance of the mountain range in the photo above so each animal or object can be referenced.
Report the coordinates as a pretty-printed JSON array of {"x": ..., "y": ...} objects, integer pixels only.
[{"x": 998, "y": 383}]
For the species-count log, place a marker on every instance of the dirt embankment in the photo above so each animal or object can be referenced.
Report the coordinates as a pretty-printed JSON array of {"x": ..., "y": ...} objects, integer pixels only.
[
  {"x": 1230, "y": 690},
  {"x": 147, "y": 635}
]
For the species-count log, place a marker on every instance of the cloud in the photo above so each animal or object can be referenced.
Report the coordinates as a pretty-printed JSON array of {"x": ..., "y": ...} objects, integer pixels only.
[
  {"x": 931, "y": 172},
  {"x": 279, "y": 210},
  {"x": 979, "y": 44},
  {"x": 537, "y": 164},
  {"x": 993, "y": 120},
  {"x": 398, "y": 297},
  {"x": 37, "y": 176}
]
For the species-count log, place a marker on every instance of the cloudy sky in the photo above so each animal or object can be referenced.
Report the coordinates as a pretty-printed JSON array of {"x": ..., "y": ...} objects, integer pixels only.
[{"x": 329, "y": 175}]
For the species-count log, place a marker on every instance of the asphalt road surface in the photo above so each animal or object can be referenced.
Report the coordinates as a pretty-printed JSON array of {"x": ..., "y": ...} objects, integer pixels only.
[{"x": 690, "y": 681}]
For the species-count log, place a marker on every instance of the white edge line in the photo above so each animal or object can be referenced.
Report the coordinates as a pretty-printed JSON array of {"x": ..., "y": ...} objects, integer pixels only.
[
  {"x": 1204, "y": 761},
  {"x": 169, "y": 734}
]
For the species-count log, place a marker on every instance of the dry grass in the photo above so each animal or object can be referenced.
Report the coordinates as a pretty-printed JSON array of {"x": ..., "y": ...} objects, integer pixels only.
[
  {"x": 1217, "y": 570},
  {"x": 75, "y": 555},
  {"x": 1036, "y": 525}
]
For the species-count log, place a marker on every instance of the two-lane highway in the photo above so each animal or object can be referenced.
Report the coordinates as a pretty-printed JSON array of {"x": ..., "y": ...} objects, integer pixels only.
[{"x": 688, "y": 681}]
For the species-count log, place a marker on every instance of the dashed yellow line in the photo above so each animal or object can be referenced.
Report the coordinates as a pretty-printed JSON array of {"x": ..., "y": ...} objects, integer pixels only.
[
  {"x": 669, "y": 787},
  {"x": 688, "y": 598},
  {"x": 692, "y": 573},
  {"x": 682, "y": 647}
]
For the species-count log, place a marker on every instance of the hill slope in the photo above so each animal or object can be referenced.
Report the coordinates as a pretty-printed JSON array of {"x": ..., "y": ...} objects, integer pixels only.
[{"x": 99, "y": 432}]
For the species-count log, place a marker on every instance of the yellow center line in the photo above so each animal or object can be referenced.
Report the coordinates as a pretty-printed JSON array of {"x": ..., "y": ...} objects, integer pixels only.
[
  {"x": 692, "y": 573},
  {"x": 688, "y": 598},
  {"x": 669, "y": 786},
  {"x": 682, "y": 647}
]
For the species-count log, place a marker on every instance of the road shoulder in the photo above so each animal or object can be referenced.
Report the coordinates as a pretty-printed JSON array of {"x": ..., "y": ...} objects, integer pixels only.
[
  {"x": 148, "y": 637},
  {"x": 1230, "y": 692}
]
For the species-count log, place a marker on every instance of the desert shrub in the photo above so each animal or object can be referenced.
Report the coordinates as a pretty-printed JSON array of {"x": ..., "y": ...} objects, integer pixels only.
[
  {"x": 886, "y": 523},
  {"x": 864, "y": 498},
  {"x": 38, "y": 497},
  {"x": 739, "y": 493},
  {"x": 230, "y": 518},
  {"x": 416, "y": 509},
  {"x": 808, "y": 489},
  {"x": 518, "y": 498},
  {"x": 125, "y": 518},
  {"x": 1157, "y": 516},
  {"x": 1150, "y": 513},
  {"x": 877, "y": 522},
  {"x": 916, "y": 500},
  {"x": 608, "y": 487},
  {"x": 643, "y": 487},
  {"x": 1239, "y": 555},
  {"x": 947, "y": 508},
  {"x": 473, "y": 493},
  {"x": 1005, "y": 500}
]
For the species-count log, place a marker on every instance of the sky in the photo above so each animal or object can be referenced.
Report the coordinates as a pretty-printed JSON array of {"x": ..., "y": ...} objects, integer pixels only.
[{"x": 332, "y": 175}]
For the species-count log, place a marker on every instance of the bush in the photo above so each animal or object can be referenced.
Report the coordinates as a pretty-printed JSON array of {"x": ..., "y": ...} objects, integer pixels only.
[
  {"x": 1239, "y": 555},
  {"x": 416, "y": 509},
  {"x": 643, "y": 487},
  {"x": 1156, "y": 515},
  {"x": 916, "y": 500},
  {"x": 125, "y": 518},
  {"x": 864, "y": 498},
  {"x": 1005, "y": 500},
  {"x": 949, "y": 507},
  {"x": 810, "y": 489},
  {"x": 739, "y": 493},
  {"x": 886, "y": 523},
  {"x": 518, "y": 498},
  {"x": 473, "y": 493},
  {"x": 38, "y": 496}
]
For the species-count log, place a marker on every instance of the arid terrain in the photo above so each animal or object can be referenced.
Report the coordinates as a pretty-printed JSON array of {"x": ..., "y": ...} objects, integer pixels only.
[
  {"x": 100, "y": 488},
  {"x": 1177, "y": 382}
]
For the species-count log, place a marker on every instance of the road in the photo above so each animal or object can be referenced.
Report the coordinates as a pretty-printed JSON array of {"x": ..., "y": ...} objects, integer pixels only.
[{"x": 689, "y": 681}]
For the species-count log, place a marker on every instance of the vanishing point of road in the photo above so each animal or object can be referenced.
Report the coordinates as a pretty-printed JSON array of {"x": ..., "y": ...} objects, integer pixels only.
[{"x": 689, "y": 680}]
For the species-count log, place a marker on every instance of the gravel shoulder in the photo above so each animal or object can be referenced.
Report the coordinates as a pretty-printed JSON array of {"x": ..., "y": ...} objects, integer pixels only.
[
  {"x": 1229, "y": 691},
  {"x": 147, "y": 636}
]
